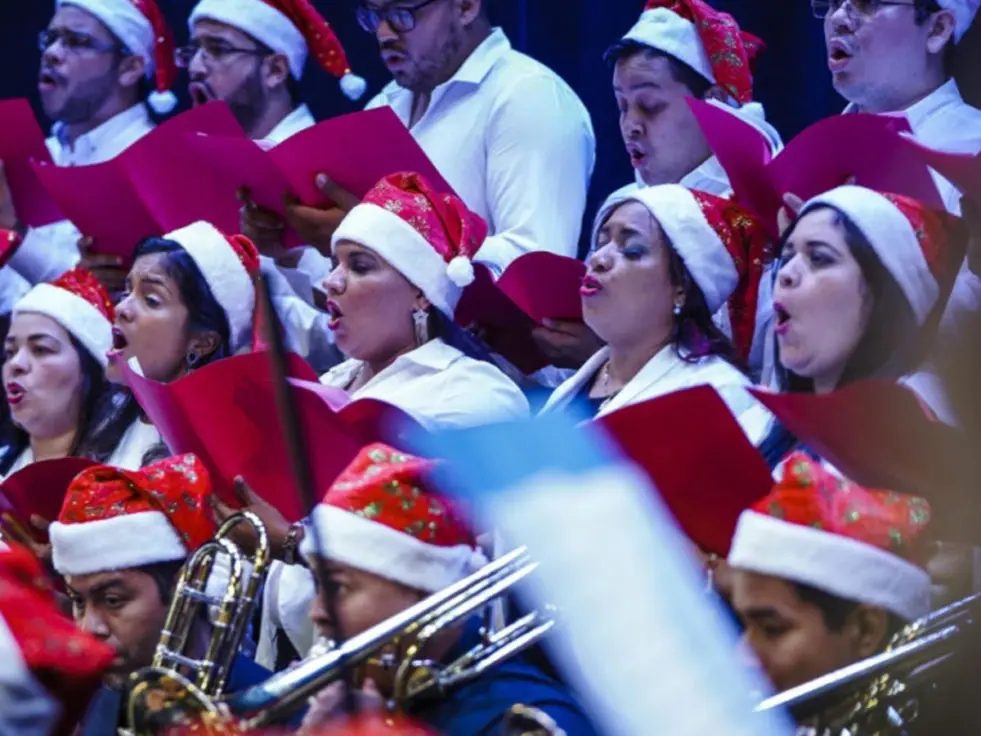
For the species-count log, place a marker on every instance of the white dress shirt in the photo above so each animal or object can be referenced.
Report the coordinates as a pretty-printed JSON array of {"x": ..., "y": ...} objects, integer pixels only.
[
  {"x": 663, "y": 374},
  {"x": 49, "y": 251},
  {"x": 514, "y": 142}
]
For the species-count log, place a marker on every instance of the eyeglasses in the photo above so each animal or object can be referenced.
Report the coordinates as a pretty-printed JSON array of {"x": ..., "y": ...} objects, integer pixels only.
[
  {"x": 76, "y": 42},
  {"x": 858, "y": 8},
  {"x": 214, "y": 51},
  {"x": 402, "y": 19}
]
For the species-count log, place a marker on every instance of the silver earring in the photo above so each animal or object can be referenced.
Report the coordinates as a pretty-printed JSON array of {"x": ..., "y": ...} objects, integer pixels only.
[
  {"x": 420, "y": 323},
  {"x": 677, "y": 310},
  {"x": 192, "y": 358}
]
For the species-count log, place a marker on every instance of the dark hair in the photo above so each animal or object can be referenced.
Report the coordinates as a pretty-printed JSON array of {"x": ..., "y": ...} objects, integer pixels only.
[
  {"x": 836, "y": 610},
  {"x": 165, "y": 575},
  {"x": 103, "y": 419},
  {"x": 680, "y": 71},
  {"x": 442, "y": 327}
]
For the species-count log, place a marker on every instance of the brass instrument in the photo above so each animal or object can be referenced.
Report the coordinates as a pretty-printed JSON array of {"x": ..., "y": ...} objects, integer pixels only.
[
  {"x": 524, "y": 720},
  {"x": 879, "y": 695},
  {"x": 397, "y": 644},
  {"x": 154, "y": 688}
]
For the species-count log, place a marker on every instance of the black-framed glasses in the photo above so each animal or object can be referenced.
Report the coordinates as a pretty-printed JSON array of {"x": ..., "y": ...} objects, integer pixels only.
[
  {"x": 76, "y": 41},
  {"x": 860, "y": 8},
  {"x": 214, "y": 51},
  {"x": 401, "y": 18}
]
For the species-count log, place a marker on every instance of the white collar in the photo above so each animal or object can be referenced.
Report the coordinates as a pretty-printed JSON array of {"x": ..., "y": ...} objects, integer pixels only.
[
  {"x": 88, "y": 143},
  {"x": 918, "y": 113},
  {"x": 435, "y": 355},
  {"x": 299, "y": 119}
]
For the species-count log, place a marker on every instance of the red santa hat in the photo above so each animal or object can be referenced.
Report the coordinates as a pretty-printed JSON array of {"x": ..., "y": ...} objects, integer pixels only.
[
  {"x": 379, "y": 516},
  {"x": 428, "y": 237},
  {"x": 909, "y": 239},
  {"x": 293, "y": 28},
  {"x": 114, "y": 519},
  {"x": 819, "y": 529},
  {"x": 707, "y": 40},
  {"x": 724, "y": 248},
  {"x": 79, "y": 303},
  {"x": 229, "y": 264},
  {"x": 39, "y": 644},
  {"x": 964, "y": 12},
  {"x": 142, "y": 29}
]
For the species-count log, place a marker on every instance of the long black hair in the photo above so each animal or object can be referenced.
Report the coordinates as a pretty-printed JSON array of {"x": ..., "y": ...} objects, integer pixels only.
[{"x": 891, "y": 346}]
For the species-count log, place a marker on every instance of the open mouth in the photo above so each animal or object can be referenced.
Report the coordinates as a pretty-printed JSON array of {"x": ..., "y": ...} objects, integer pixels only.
[
  {"x": 47, "y": 81},
  {"x": 15, "y": 393},
  {"x": 839, "y": 53},
  {"x": 590, "y": 286},
  {"x": 637, "y": 155},
  {"x": 334, "y": 314},
  {"x": 782, "y": 317},
  {"x": 119, "y": 341},
  {"x": 199, "y": 93}
]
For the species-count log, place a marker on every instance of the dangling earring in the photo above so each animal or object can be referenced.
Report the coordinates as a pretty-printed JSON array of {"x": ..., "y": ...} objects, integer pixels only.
[
  {"x": 420, "y": 322},
  {"x": 191, "y": 359},
  {"x": 676, "y": 311}
]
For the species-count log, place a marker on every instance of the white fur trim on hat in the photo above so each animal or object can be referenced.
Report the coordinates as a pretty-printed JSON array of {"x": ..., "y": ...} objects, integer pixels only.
[
  {"x": 119, "y": 543},
  {"x": 964, "y": 12},
  {"x": 893, "y": 238},
  {"x": 696, "y": 242},
  {"x": 400, "y": 244},
  {"x": 86, "y": 323},
  {"x": 260, "y": 20},
  {"x": 838, "y": 565},
  {"x": 226, "y": 275},
  {"x": 380, "y": 550},
  {"x": 671, "y": 34},
  {"x": 126, "y": 22}
]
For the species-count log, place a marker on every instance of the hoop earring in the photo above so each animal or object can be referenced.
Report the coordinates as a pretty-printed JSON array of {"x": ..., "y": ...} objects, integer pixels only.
[
  {"x": 420, "y": 324},
  {"x": 191, "y": 358}
]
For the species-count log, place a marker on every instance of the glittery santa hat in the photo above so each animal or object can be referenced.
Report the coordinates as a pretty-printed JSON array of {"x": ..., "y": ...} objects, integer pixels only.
[
  {"x": 79, "y": 303},
  {"x": 114, "y": 519},
  {"x": 909, "y": 238},
  {"x": 229, "y": 264},
  {"x": 820, "y": 530},
  {"x": 428, "y": 237},
  {"x": 964, "y": 12},
  {"x": 142, "y": 29},
  {"x": 707, "y": 40},
  {"x": 39, "y": 644},
  {"x": 380, "y": 517},
  {"x": 293, "y": 28},
  {"x": 723, "y": 247}
]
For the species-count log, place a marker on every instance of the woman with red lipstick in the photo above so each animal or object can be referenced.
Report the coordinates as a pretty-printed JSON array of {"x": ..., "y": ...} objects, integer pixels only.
[
  {"x": 59, "y": 401},
  {"x": 858, "y": 283},
  {"x": 664, "y": 261}
]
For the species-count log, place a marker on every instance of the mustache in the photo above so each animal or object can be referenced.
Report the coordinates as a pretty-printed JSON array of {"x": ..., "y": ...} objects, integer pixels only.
[
  {"x": 204, "y": 83},
  {"x": 391, "y": 46}
]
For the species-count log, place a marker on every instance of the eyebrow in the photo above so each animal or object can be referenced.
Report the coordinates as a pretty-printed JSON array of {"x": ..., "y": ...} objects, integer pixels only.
[
  {"x": 636, "y": 87},
  {"x": 103, "y": 588},
  {"x": 155, "y": 281}
]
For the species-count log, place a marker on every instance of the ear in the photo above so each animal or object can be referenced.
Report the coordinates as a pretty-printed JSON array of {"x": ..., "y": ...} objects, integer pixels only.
[
  {"x": 131, "y": 69},
  {"x": 715, "y": 92},
  {"x": 940, "y": 31},
  {"x": 469, "y": 11},
  {"x": 204, "y": 343},
  {"x": 871, "y": 628},
  {"x": 679, "y": 297},
  {"x": 422, "y": 302},
  {"x": 277, "y": 68}
]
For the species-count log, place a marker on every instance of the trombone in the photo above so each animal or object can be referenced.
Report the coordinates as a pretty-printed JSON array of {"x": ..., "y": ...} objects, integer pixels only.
[{"x": 156, "y": 689}]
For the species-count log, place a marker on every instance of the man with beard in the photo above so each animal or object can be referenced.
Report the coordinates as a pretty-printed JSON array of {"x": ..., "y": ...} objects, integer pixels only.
[{"x": 98, "y": 57}]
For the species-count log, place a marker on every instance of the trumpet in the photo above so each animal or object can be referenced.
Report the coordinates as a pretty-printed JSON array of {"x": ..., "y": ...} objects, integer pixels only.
[
  {"x": 159, "y": 692},
  {"x": 879, "y": 695},
  {"x": 275, "y": 700}
]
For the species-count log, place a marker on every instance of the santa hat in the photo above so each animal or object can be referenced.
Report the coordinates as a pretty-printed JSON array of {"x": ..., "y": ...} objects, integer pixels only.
[
  {"x": 724, "y": 248},
  {"x": 39, "y": 644},
  {"x": 821, "y": 530},
  {"x": 707, "y": 40},
  {"x": 289, "y": 27},
  {"x": 380, "y": 517},
  {"x": 964, "y": 12},
  {"x": 114, "y": 519},
  {"x": 79, "y": 303},
  {"x": 909, "y": 239},
  {"x": 142, "y": 29},
  {"x": 229, "y": 264},
  {"x": 428, "y": 237}
]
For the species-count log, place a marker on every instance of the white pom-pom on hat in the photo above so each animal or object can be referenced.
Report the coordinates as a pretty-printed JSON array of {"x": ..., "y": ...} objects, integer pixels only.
[
  {"x": 162, "y": 103},
  {"x": 353, "y": 86},
  {"x": 460, "y": 271}
]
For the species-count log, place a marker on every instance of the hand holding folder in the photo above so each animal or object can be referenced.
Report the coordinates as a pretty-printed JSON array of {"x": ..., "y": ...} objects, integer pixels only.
[
  {"x": 21, "y": 140},
  {"x": 37, "y": 490}
]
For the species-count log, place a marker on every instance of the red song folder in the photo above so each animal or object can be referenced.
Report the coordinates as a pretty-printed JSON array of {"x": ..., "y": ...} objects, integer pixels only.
[
  {"x": 355, "y": 151},
  {"x": 154, "y": 186},
  {"x": 963, "y": 170},
  {"x": 868, "y": 148},
  {"x": 37, "y": 489},
  {"x": 535, "y": 287},
  {"x": 21, "y": 140},
  {"x": 693, "y": 448},
  {"x": 226, "y": 413}
]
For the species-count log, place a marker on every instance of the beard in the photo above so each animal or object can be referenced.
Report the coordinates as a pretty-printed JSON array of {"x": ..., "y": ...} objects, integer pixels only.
[
  {"x": 430, "y": 71},
  {"x": 83, "y": 100},
  {"x": 248, "y": 102}
]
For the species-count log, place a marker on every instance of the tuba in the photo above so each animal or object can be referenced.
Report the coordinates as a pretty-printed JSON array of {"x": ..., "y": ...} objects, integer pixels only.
[
  {"x": 397, "y": 644},
  {"x": 153, "y": 688},
  {"x": 882, "y": 694}
]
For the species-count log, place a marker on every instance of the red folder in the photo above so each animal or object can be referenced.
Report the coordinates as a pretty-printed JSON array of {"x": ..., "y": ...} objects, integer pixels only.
[
  {"x": 868, "y": 148},
  {"x": 21, "y": 140},
  {"x": 154, "y": 186},
  {"x": 355, "y": 151},
  {"x": 963, "y": 170},
  {"x": 38, "y": 489},
  {"x": 705, "y": 468},
  {"x": 226, "y": 414},
  {"x": 535, "y": 287}
]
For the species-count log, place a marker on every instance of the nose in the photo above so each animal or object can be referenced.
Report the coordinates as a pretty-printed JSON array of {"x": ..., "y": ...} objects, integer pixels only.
[
  {"x": 599, "y": 260},
  {"x": 92, "y": 623},
  {"x": 17, "y": 363},
  {"x": 335, "y": 282},
  {"x": 788, "y": 276},
  {"x": 630, "y": 127},
  {"x": 196, "y": 69},
  {"x": 54, "y": 55},
  {"x": 840, "y": 19},
  {"x": 385, "y": 33},
  {"x": 746, "y": 656},
  {"x": 125, "y": 310}
]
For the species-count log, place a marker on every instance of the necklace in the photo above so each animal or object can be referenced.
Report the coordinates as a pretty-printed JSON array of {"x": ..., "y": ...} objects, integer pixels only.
[{"x": 604, "y": 385}]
